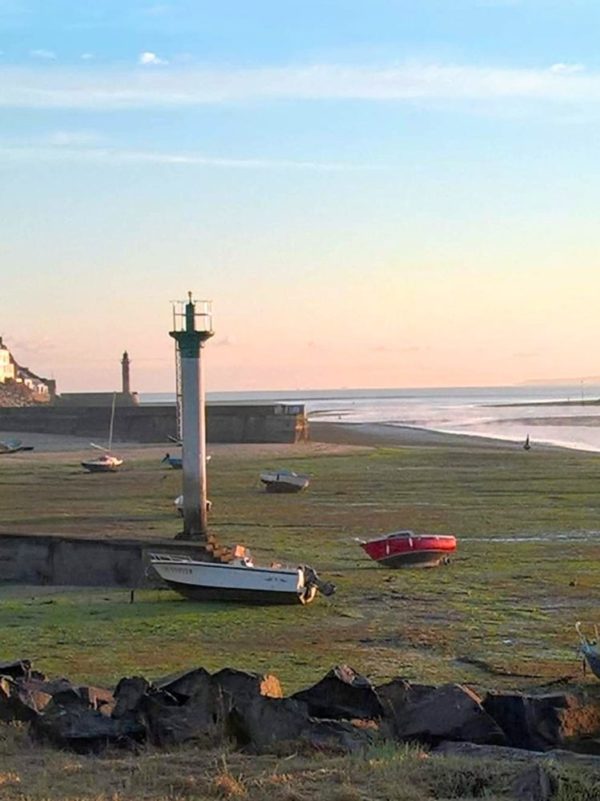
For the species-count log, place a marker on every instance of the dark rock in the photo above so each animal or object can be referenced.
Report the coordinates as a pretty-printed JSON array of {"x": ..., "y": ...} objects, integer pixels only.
[
  {"x": 534, "y": 784},
  {"x": 98, "y": 698},
  {"x": 84, "y": 730},
  {"x": 515, "y": 754},
  {"x": 432, "y": 714},
  {"x": 21, "y": 700},
  {"x": 128, "y": 695},
  {"x": 19, "y": 669},
  {"x": 275, "y": 725},
  {"x": 542, "y": 722},
  {"x": 24, "y": 698},
  {"x": 342, "y": 694},
  {"x": 183, "y": 685},
  {"x": 266, "y": 724},
  {"x": 338, "y": 737},
  {"x": 70, "y": 696},
  {"x": 242, "y": 687},
  {"x": 54, "y": 686},
  {"x": 200, "y": 719}
]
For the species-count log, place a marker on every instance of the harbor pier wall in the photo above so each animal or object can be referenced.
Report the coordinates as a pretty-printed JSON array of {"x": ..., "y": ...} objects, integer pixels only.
[
  {"x": 55, "y": 560},
  {"x": 277, "y": 422}
]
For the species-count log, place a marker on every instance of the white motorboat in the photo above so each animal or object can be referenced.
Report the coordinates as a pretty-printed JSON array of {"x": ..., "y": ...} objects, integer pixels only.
[
  {"x": 284, "y": 481},
  {"x": 238, "y": 580}
]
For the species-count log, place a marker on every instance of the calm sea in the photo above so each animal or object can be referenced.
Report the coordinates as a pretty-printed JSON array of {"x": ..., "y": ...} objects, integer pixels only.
[{"x": 476, "y": 411}]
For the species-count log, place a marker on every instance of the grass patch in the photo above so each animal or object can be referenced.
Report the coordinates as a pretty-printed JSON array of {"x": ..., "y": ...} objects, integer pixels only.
[{"x": 501, "y": 615}]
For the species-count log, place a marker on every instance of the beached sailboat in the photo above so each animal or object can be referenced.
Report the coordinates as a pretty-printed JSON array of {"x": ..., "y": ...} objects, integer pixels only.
[
  {"x": 238, "y": 580},
  {"x": 284, "y": 481},
  {"x": 527, "y": 444},
  {"x": 108, "y": 462},
  {"x": 13, "y": 446},
  {"x": 407, "y": 549}
]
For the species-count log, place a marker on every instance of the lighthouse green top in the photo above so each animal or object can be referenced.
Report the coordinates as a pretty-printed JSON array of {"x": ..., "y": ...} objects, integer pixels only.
[{"x": 190, "y": 340}]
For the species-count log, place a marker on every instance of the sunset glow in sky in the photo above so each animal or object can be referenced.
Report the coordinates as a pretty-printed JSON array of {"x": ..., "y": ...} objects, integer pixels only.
[{"x": 373, "y": 193}]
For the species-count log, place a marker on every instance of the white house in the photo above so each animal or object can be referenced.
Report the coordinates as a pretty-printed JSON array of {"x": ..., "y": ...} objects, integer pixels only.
[{"x": 7, "y": 365}]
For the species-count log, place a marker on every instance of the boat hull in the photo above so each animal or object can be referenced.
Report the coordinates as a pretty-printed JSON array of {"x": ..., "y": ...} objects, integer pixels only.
[
  {"x": 283, "y": 486},
  {"x": 257, "y": 597},
  {"x": 95, "y": 467},
  {"x": 418, "y": 559},
  {"x": 284, "y": 481},
  {"x": 214, "y": 581},
  {"x": 410, "y": 550}
]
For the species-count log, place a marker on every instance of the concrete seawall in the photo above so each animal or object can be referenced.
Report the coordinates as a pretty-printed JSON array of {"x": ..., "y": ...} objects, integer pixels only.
[
  {"x": 39, "y": 559},
  {"x": 149, "y": 423}
]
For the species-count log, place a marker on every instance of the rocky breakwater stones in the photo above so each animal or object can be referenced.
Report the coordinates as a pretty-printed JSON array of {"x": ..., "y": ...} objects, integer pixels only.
[
  {"x": 542, "y": 722},
  {"x": 342, "y": 694},
  {"x": 343, "y": 712},
  {"x": 430, "y": 714}
]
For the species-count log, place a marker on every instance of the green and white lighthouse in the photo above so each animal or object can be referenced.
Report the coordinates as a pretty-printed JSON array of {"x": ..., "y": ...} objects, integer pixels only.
[{"x": 192, "y": 327}]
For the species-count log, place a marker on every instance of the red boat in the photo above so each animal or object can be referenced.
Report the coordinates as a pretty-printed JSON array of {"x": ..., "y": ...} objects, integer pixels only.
[{"x": 407, "y": 549}]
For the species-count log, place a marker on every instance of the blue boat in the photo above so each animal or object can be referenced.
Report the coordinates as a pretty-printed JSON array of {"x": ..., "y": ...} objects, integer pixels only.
[
  {"x": 176, "y": 462},
  {"x": 589, "y": 650}
]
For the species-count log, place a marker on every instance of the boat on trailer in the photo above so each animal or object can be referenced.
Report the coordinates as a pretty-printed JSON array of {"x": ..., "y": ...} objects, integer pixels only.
[
  {"x": 407, "y": 549},
  {"x": 238, "y": 580},
  {"x": 284, "y": 481}
]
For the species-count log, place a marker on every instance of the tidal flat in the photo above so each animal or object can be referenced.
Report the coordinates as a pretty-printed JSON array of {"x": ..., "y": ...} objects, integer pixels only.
[{"x": 501, "y": 615}]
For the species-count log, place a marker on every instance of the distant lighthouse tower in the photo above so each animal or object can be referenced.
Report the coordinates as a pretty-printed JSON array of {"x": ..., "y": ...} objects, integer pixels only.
[
  {"x": 126, "y": 387},
  {"x": 192, "y": 324}
]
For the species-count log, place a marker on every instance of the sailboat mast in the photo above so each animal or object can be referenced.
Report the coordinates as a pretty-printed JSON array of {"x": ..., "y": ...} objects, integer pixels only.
[{"x": 112, "y": 421}]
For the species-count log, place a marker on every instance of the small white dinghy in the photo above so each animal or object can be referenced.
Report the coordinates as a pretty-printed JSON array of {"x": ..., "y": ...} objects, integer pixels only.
[
  {"x": 238, "y": 580},
  {"x": 107, "y": 463},
  {"x": 284, "y": 481}
]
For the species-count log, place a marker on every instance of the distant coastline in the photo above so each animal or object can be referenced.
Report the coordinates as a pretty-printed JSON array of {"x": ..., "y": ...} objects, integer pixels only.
[
  {"x": 555, "y": 416},
  {"x": 590, "y": 402}
]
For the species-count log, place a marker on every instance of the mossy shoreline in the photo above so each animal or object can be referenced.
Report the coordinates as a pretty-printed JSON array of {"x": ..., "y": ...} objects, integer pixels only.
[{"x": 501, "y": 615}]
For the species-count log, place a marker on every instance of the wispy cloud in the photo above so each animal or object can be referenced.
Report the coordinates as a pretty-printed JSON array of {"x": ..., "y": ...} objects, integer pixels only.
[
  {"x": 60, "y": 152},
  {"x": 44, "y": 55},
  {"x": 71, "y": 138},
  {"x": 157, "y": 10},
  {"x": 566, "y": 69},
  {"x": 149, "y": 59},
  {"x": 187, "y": 86}
]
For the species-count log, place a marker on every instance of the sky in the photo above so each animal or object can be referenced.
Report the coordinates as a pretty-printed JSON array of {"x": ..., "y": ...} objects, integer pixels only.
[{"x": 373, "y": 193}]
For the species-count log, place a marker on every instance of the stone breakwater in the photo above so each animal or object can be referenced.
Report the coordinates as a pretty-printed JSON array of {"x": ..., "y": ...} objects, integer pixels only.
[{"x": 343, "y": 712}]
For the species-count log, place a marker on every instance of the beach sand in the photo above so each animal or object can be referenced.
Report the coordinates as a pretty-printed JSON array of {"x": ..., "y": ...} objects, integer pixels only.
[
  {"x": 383, "y": 435},
  {"x": 67, "y": 447},
  {"x": 326, "y": 438}
]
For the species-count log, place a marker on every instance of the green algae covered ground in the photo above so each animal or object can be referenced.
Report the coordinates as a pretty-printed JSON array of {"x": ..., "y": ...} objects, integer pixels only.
[{"x": 502, "y": 614}]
